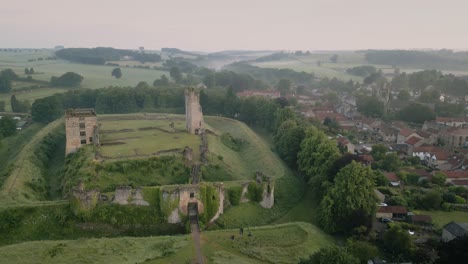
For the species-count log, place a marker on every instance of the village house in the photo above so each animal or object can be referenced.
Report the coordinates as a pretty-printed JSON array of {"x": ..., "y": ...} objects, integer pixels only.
[
  {"x": 452, "y": 121},
  {"x": 345, "y": 144},
  {"x": 391, "y": 212},
  {"x": 420, "y": 219},
  {"x": 456, "y": 136},
  {"x": 392, "y": 178},
  {"x": 458, "y": 178},
  {"x": 453, "y": 230}
]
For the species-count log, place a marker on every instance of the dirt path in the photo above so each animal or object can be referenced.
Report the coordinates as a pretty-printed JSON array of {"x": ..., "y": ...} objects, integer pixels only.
[{"x": 196, "y": 238}]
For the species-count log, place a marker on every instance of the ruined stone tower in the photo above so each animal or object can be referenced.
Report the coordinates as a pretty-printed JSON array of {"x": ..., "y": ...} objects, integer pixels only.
[
  {"x": 193, "y": 111},
  {"x": 81, "y": 128}
]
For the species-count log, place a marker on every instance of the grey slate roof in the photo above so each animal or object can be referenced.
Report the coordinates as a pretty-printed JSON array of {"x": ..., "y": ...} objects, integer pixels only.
[{"x": 457, "y": 229}]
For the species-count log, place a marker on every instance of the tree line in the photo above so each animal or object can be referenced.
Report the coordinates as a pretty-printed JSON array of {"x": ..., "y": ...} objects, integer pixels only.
[{"x": 100, "y": 55}]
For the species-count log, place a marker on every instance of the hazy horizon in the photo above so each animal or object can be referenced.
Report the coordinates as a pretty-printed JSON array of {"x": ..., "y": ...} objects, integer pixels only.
[{"x": 214, "y": 25}]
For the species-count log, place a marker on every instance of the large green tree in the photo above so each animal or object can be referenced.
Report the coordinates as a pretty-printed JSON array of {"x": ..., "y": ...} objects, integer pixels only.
[
  {"x": 416, "y": 113},
  {"x": 351, "y": 195},
  {"x": 398, "y": 242},
  {"x": 284, "y": 86},
  {"x": 288, "y": 140},
  {"x": 370, "y": 106},
  {"x": 176, "y": 74},
  {"x": 117, "y": 73},
  {"x": 7, "y": 126},
  {"x": 69, "y": 79},
  {"x": 332, "y": 255}
]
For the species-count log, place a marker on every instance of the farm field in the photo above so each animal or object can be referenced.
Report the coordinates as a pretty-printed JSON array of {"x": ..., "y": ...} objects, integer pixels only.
[
  {"x": 287, "y": 243},
  {"x": 29, "y": 95},
  {"x": 95, "y": 76},
  {"x": 145, "y": 135}
]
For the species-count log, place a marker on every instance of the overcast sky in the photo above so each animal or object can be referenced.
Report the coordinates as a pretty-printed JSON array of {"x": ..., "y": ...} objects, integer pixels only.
[{"x": 213, "y": 25}]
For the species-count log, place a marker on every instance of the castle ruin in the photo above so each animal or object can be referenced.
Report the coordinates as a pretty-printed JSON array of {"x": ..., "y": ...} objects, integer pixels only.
[
  {"x": 193, "y": 111},
  {"x": 81, "y": 128}
]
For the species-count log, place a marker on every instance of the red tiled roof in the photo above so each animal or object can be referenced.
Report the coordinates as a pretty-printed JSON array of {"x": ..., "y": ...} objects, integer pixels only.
[
  {"x": 391, "y": 176},
  {"x": 420, "y": 172},
  {"x": 334, "y": 116},
  {"x": 405, "y": 132},
  {"x": 393, "y": 209},
  {"x": 423, "y": 134},
  {"x": 456, "y": 174},
  {"x": 427, "y": 149},
  {"x": 342, "y": 141},
  {"x": 412, "y": 140},
  {"x": 460, "y": 182},
  {"x": 367, "y": 158},
  {"x": 441, "y": 119},
  {"x": 441, "y": 155},
  {"x": 422, "y": 218}
]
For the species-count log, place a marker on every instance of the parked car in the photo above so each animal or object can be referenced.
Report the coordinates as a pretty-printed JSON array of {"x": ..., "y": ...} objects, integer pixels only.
[{"x": 386, "y": 220}]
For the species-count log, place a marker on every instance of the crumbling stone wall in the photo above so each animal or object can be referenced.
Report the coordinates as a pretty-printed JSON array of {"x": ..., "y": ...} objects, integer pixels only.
[
  {"x": 220, "y": 190},
  {"x": 125, "y": 195},
  {"x": 193, "y": 111},
  {"x": 83, "y": 201},
  {"x": 188, "y": 156},
  {"x": 81, "y": 128}
]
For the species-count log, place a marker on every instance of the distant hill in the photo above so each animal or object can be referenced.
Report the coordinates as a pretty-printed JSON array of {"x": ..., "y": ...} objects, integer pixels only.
[
  {"x": 100, "y": 55},
  {"x": 439, "y": 59}
]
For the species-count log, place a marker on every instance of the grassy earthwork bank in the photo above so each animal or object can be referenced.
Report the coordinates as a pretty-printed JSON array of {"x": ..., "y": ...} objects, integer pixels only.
[{"x": 287, "y": 243}]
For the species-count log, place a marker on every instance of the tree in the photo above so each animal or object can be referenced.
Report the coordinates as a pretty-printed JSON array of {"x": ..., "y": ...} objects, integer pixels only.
[
  {"x": 2, "y": 106},
  {"x": 334, "y": 58},
  {"x": 404, "y": 96},
  {"x": 19, "y": 106},
  {"x": 362, "y": 250},
  {"x": 439, "y": 178},
  {"x": 416, "y": 113},
  {"x": 398, "y": 242},
  {"x": 162, "y": 81},
  {"x": 352, "y": 195},
  {"x": 334, "y": 254},
  {"x": 117, "y": 73},
  {"x": 378, "y": 152},
  {"x": 288, "y": 140},
  {"x": 176, "y": 74},
  {"x": 69, "y": 79},
  {"x": 46, "y": 109},
  {"x": 284, "y": 86},
  {"x": 7, "y": 126},
  {"x": 6, "y": 78},
  {"x": 370, "y": 106},
  {"x": 390, "y": 162},
  {"x": 15, "y": 104},
  {"x": 26, "y": 71}
]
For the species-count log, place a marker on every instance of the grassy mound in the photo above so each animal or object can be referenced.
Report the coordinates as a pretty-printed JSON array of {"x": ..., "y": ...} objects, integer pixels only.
[{"x": 287, "y": 243}]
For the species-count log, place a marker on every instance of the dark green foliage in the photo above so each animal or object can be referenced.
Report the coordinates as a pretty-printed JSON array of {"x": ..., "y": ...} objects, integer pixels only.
[
  {"x": 398, "y": 242},
  {"x": 176, "y": 74},
  {"x": 454, "y": 251},
  {"x": 255, "y": 192},
  {"x": 19, "y": 106},
  {"x": 362, "y": 250},
  {"x": 7, "y": 126},
  {"x": 234, "y": 195},
  {"x": 362, "y": 71},
  {"x": 69, "y": 79},
  {"x": 152, "y": 196},
  {"x": 215, "y": 172},
  {"x": 46, "y": 109},
  {"x": 416, "y": 113},
  {"x": 288, "y": 140},
  {"x": 335, "y": 255},
  {"x": 6, "y": 78},
  {"x": 100, "y": 55},
  {"x": 229, "y": 141},
  {"x": 431, "y": 200},
  {"x": 449, "y": 110},
  {"x": 58, "y": 222},
  {"x": 370, "y": 106},
  {"x": 117, "y": 73},
  {"x": 211, "y": 202},
  {"x": 2, "y": 106}
]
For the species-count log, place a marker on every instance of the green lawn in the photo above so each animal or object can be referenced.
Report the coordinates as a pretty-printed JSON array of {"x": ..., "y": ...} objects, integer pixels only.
[
  {"x": 441, "y": 218},
  {"x": 174, "y": 249},
  {"x": 135, "y": 140},
  {"x": 287, "y": 243},
  {"x": 30, "y": 95}
]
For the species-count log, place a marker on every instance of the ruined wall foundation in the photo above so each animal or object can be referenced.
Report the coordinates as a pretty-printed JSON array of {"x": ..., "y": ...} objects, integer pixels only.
[{"x": 193, "y": 111}]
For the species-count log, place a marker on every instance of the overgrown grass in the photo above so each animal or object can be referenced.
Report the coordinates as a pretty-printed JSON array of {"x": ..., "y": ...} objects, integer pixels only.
[
  {"x": 104, "y": 250},
  {"x": 287, "y": 243}
]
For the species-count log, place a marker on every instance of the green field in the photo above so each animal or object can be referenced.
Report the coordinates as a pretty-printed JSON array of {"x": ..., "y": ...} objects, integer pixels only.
[
  {"x": 30, "y": 95},
  {"x": 441, "y": 218},
  {"x": 287, "y": 243},
  {"x": 95, "y": 76},
  {"x": 104, "y": 250},
  {"x": 145, "y": 135}
]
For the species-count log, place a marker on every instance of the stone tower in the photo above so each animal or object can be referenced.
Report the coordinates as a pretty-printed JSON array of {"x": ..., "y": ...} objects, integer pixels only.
[
  {"x": 193, "y": 111},
  {"x": 81, "y": 128}
]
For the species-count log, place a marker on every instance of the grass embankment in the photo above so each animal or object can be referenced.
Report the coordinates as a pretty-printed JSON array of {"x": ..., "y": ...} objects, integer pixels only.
[
  {"x": 287, "y": 243},
  {"x": 255, "y": 154},
  {"x": 26, "y": 182},
  {"x": 104, "y": 250}
]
